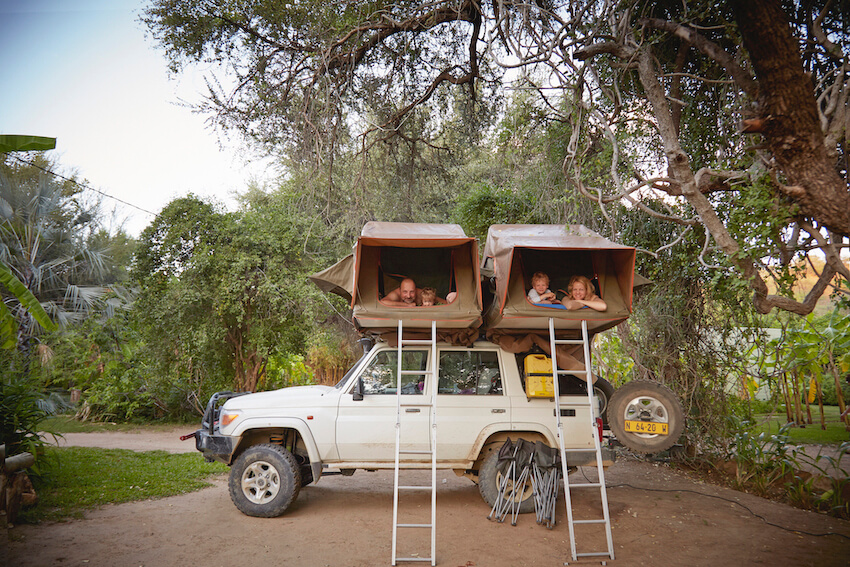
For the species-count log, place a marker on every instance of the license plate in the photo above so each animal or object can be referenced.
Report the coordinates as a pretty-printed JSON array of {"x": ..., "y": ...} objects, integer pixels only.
[{"x": 646, "y": 427}]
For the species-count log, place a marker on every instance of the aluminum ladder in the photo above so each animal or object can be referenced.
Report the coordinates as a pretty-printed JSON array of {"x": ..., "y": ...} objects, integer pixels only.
[
  {"x": 591, "y": 399},
  {"x": 432, "y": 405}
]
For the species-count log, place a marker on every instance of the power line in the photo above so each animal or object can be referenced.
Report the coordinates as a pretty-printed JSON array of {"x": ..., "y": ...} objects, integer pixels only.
[{"x": 83, "y": 185}]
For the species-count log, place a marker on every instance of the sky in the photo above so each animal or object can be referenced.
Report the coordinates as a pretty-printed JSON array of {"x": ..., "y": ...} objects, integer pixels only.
[{"x": 84, "y": 72}]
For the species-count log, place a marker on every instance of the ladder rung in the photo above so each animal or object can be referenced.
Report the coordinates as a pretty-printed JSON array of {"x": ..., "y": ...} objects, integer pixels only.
[
  {"x": 579, "y": 450},
  {"x": 415, "y": 372},
  {"x": 420, "y": 342},
  {"x": 402, "y": 452},
  {"x": 569, "y": 341},
  {"x": 602, "y": 521},
  {"x": 593, "y": 554},
  {"x": 416, "y": 405},
  {"x": 586, "y": 485},
  {"x": 423, "y": 487},
  {"x": 413, "y": 525},
  {"x": 409, "y": 559}
]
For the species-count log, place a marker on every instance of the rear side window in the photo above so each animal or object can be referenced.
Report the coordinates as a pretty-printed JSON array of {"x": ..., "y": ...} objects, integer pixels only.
[
  {"x": 470, "y": 372},
  {"x": 379, "y": 376}
]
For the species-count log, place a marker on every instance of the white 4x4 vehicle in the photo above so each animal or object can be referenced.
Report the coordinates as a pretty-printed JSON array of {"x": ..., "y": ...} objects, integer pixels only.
[{"x": 278, "y": 441}]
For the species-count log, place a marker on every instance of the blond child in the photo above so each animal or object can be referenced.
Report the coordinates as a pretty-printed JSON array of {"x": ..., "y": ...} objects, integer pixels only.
[
  {"x": 540, "y": 292},
  {"x": 429, "y": 296}
]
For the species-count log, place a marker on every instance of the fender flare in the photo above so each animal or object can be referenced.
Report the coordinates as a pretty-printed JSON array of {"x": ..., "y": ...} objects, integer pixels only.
[
  {"x": 299, "y": 425},
  {"x": 511, "y": 431}
]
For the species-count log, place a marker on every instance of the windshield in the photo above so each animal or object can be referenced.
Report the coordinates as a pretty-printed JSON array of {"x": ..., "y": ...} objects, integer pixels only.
[{"x": 350, "y": 370}]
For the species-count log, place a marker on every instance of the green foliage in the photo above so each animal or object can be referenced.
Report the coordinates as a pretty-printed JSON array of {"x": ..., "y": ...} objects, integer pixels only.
[
  {"x": 28, "y": 302},
  {"x": 284, "y": 371},
  {"x": 612, "y": 360},
  {"x": 82, "y": 478},
  {"x": 45, "y": 241},
  {"x": 482, "y": 206},
  {"x": 768, "y": 465},
  {"x": 834, "y": 434},
  {"x": 830, "y": 396},
  {"x": 222, "y": 293},
  {"x": 21, "y": 411},
  {"x": 762, "y": 460}
]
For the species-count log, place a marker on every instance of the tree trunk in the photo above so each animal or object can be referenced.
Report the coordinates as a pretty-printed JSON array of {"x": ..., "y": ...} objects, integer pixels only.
[
  {"x": 788, "y": 107},
  {"x": 784, "y": 388},
  {"x": 795, "y": 389},
  {"x": 820, "y": 406}
]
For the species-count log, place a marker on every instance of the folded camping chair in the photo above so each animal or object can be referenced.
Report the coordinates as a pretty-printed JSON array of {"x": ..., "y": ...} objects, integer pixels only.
[
  {"x": 515, "y": 467},
  {"x": 545, "y": 479},
  {"x": 506, "y": 465},
  {"x": 524, "y": 459}
]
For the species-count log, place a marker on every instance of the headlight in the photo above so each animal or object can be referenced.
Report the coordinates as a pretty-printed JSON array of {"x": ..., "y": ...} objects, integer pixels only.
[{"x": 226, "y": 418}]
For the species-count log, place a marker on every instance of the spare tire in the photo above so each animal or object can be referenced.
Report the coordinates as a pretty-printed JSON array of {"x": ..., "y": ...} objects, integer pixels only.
[{"x": 646, "y": 416}]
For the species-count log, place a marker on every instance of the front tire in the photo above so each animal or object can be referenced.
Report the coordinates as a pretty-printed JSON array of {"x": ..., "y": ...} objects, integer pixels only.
[
  {"x": 264, "y": 481},
  {"x": 489, "y": 478},
  {"x": 648, "y": 402}
]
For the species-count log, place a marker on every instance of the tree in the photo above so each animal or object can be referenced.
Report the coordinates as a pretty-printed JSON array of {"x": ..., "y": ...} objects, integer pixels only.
[
  {"x": 220, "y": 293},
  {"x": 45, "y": 226},
  {"x": 654, "y": 85}
]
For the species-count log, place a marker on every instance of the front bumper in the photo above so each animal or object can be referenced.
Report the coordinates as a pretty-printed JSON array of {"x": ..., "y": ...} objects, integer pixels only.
[{"x": 214, "y": 447}]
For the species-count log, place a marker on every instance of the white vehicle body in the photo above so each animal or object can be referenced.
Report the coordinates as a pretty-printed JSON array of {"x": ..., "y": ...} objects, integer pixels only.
[{"x": 481, "y": 402}]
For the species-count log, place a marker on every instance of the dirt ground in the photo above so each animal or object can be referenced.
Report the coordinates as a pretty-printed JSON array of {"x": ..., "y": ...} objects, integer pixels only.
[{"x": 658, "y": 516}]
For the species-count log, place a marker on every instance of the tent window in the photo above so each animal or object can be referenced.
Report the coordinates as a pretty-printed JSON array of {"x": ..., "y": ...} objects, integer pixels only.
[
  {"x": 559, "y": 265},
  {"x": 429, "y": 267}
]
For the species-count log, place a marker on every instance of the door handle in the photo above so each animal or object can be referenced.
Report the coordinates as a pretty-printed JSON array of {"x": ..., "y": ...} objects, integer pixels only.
[
  {"x": 498, "y": 410},
  {"x": 412, "y": 410}
]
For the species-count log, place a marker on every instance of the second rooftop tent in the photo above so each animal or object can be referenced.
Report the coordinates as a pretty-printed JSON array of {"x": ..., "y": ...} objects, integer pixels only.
[
  {"x": 513, "y": 253},
  {"x": 433, "y": 255}
]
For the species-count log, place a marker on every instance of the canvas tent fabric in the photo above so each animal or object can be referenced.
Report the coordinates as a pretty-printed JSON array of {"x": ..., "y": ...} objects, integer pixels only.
[
  {"x": 512, "y": 253},
  {"x": 433, "y": 255}
]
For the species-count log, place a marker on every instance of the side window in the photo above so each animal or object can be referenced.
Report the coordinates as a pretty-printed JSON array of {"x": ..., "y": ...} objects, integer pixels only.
[
  {"x": 379, "y": 377},
  {"x": 469, "y": 372}
]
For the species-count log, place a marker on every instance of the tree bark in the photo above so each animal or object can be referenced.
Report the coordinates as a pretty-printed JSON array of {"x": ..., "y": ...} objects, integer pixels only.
[{"x": 788, "y": 108}]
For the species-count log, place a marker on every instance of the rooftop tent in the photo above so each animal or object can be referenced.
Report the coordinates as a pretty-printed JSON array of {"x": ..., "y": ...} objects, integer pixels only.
[
  {"x": 513, "y": 253},
  {"x": 433, "y": 255}
]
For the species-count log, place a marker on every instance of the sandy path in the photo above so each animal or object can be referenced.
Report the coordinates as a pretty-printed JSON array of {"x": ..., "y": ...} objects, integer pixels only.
[{"x": 663, "y": 518}]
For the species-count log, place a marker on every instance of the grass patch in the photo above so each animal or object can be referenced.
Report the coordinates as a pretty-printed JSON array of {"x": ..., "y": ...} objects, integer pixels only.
[
  {"x": 834, "y": 434},
  {"x": 67, "y": 424},
  {"x": 76, "y": 479}
]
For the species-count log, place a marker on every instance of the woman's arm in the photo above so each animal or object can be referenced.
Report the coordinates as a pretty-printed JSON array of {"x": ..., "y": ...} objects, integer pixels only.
[{"x": 594, "y": 303}]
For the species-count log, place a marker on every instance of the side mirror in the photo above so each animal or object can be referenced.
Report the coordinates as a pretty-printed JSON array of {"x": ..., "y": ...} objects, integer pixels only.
[{"x": 357, "y": 394}]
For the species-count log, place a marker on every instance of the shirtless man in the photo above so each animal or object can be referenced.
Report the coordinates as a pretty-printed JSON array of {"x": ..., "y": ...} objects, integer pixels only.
[{"x": 407, "y": 295}]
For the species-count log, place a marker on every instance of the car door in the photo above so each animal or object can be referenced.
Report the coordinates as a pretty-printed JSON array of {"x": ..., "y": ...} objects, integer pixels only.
[
  {"x": 470, "y": 399},
  {"x": 366, "y": 429}
]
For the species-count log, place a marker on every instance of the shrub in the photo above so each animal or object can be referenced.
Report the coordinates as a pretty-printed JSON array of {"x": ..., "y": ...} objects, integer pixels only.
[{"x": 830, "y": 398}]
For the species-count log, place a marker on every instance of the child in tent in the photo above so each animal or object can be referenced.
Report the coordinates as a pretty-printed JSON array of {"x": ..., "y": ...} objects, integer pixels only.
[
  {"x": 540, "y": 294},
  {"x": 429, "y": 296}
]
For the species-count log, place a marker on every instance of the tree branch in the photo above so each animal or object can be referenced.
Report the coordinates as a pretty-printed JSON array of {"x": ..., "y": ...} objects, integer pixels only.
[{"x": 708, "y": 48}]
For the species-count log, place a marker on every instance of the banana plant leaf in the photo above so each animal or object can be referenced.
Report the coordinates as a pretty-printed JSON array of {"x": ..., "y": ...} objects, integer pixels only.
[
  {"x": 8, "y": 325},
  {"x": 18, "y": 143}
]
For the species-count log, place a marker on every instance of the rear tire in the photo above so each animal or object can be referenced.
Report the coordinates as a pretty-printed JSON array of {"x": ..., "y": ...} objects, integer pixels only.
[
  {"x": 603, "y": 390},
  {"x": 643, "y": 400},
  {"x": 264, "y": 481},
  {"x": 488, "y": 485}
]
